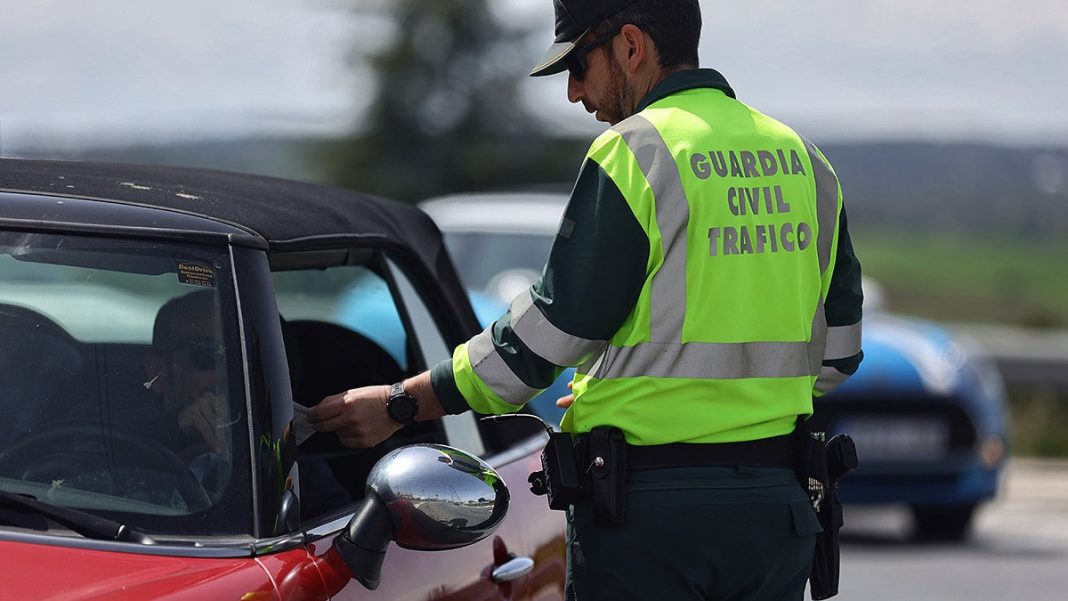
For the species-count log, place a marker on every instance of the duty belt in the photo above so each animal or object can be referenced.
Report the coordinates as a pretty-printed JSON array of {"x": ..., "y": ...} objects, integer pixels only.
[{"x": 778, "y": 451}]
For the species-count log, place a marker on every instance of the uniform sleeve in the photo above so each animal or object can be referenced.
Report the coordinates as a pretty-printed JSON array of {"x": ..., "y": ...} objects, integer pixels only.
[
  {"x": 590, "y": 284},
  {"x": 842, "y": 308}
]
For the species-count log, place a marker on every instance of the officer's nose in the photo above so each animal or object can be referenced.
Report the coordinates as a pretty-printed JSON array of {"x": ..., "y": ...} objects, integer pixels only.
[{"x": 575, "y": 89}]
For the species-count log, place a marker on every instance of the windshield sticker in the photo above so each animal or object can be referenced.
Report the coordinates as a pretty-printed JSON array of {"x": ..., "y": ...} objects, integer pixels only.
[{"x": 196, "y": 275}]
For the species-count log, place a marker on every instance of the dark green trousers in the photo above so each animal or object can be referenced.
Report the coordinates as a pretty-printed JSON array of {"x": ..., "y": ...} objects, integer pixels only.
[{"x": 697, "y": 533}]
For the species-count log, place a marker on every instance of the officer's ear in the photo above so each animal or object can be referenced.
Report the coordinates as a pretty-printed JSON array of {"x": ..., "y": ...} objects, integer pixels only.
[{"x": 636, "y": 48}]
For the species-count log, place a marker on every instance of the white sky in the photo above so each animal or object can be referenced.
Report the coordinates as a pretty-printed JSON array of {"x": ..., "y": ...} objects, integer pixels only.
[{"x": 114, "y": 71}]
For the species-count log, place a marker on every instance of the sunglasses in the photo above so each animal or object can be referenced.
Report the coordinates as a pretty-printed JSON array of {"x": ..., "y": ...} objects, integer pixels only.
[
  {"x": 575, "y": 61},
  {"x": 203, "y": 351}
]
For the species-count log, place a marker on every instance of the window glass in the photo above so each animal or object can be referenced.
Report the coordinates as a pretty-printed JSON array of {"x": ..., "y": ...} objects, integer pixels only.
[
  {"x": 117, "y": 359},
  {"x": 352, "y": 297},
  {"x": 460, "y": 430},
  {"x": 343, "y": 329}
]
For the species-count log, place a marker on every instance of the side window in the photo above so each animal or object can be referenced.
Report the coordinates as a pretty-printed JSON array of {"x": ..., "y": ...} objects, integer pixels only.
[
  {"x": 461, "y": 431},
  {"x": 352, "y": 298},
  {"x": 343, "y": 328}
]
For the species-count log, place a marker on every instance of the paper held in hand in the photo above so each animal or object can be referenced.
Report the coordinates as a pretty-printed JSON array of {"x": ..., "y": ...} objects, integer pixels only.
[{"x": 302, "y": 428}]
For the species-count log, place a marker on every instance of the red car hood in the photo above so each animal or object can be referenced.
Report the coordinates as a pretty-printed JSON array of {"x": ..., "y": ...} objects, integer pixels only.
[{"x": 33, "y": 571}]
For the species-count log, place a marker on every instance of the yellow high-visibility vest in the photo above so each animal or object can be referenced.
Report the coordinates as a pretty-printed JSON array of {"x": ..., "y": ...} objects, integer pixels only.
[{"x": 741, "y": 215}]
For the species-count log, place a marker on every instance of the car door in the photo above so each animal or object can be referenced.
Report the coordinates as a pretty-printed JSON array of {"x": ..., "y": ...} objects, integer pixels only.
[{"x": 383, "y": 303}]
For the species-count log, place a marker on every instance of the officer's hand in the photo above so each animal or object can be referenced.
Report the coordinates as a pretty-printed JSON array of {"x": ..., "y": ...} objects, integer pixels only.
[
  {"x": 565, "y": 401},
  {"x": 357, "y": 416}
]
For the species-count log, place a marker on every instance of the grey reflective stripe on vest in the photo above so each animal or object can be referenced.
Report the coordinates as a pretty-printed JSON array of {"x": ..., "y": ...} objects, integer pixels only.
[
  {"x": 716, "y": 360},
  {"x": 494, "y": 372},
  {"x": 707, "y": 360},
  {"x": 668, "y": 289},
  {"x": 546, "y": 340},
  {"x": 826, "y": 205},
  {"x": 842, "y": 341}
]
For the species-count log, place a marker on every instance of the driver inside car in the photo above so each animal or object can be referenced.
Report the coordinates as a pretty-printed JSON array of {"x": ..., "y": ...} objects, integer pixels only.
[
  {"x": 182, "y": 368},
  {"x": 185, "y": 371}
]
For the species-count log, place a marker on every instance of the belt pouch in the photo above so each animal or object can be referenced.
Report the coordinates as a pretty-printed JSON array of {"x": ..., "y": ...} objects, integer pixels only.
[
  {"x": 559, "y": 465},
  {"x": 607, "y": 468}
]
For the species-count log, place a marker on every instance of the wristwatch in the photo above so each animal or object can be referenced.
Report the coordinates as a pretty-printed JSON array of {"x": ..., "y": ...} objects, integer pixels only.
[{"x": 401, "y": 407}]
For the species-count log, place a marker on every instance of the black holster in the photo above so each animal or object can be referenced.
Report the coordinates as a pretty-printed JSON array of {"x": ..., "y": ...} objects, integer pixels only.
[
  {"x": 603, "y": 459},
  {"x": 821, "y": 465}
]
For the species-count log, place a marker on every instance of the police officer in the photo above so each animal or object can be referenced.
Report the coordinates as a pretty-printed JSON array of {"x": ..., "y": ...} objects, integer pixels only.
[{"x": 704, "y": 282}]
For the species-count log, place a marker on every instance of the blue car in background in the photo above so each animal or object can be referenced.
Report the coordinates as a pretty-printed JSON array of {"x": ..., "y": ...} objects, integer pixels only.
[
  {"x": 926, "y": 408},
  {"x": 927, "y": 411}
]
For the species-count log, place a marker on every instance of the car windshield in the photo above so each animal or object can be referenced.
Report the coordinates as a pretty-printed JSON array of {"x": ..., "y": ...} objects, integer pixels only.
[{"x": 119, "y": 382}]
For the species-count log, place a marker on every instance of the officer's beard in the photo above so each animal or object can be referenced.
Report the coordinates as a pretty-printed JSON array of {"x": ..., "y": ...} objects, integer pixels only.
[{"x": 619, "y": 100}]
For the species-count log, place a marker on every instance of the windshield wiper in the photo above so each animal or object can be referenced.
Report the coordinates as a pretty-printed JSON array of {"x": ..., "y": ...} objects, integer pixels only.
[{"x": 85, "y": 524}]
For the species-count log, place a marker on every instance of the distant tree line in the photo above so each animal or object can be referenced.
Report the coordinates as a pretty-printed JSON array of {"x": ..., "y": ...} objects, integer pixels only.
[{"x": 445, "y": 114}]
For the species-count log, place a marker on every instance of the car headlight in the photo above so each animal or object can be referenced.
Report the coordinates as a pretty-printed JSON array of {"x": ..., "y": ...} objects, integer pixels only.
[{"x": 992, "y": 451}]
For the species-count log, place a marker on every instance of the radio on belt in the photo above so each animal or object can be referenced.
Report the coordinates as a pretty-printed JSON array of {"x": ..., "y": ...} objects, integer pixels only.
[{"x": 558, "y": 477}]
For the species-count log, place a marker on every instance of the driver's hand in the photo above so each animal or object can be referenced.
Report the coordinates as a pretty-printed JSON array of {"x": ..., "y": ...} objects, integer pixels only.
[
  {"x": 357, "y": 416},
  {"x": 202, "y": 417}
]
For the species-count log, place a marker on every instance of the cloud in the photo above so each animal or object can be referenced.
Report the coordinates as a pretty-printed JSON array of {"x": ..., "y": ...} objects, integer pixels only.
[
  {"x": 114, "y": 69},
  {"x": 955, "y": 69}
]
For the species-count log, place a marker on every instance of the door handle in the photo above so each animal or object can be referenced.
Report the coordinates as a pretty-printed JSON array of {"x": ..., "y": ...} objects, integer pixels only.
[{"x": 514, "y": 568}]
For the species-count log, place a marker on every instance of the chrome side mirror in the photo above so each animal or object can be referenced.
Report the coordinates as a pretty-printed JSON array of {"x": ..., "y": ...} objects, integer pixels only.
[{"x": 426, "y": 497}]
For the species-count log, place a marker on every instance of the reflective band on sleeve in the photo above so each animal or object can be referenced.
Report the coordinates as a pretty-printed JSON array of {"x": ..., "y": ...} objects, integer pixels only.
[
  {"x": 828, "y": 380},
  {"x": 546, "y": 340},
  {"x": 842, "y": 341},
  {"x": 826, "y": 205},
  {"x": 494, "y": 372},
  {"x": 668, "y": 290},
  {"x": 818, "y": 342},
  {"x": 707, "y": 360}
]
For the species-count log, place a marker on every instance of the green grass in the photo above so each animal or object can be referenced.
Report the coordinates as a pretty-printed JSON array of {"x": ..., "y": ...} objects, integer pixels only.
[
  {"x": 952, "y": 277},
  {"x": 1038, "y": 418},
  {"x": 958, "y": 278}
]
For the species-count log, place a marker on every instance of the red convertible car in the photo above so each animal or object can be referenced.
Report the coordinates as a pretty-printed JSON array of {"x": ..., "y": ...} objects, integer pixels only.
[{"x": 162, "y": 331}]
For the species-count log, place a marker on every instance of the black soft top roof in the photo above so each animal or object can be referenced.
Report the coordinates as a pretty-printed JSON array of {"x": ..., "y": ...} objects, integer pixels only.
[
  {"x": 289, "y": 215},
  {"x": 278, "y": 210}
]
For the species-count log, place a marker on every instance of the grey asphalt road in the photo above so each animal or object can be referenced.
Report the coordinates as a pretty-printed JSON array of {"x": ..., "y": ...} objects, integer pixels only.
[{"x": 1018, "y": 550}]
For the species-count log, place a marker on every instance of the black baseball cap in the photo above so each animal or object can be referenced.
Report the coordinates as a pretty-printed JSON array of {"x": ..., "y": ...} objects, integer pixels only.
[{"x": 574, "y": 19}]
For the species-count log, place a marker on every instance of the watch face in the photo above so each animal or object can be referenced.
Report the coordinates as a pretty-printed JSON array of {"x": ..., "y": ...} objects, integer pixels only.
[{"x": 402, "y": 409}]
